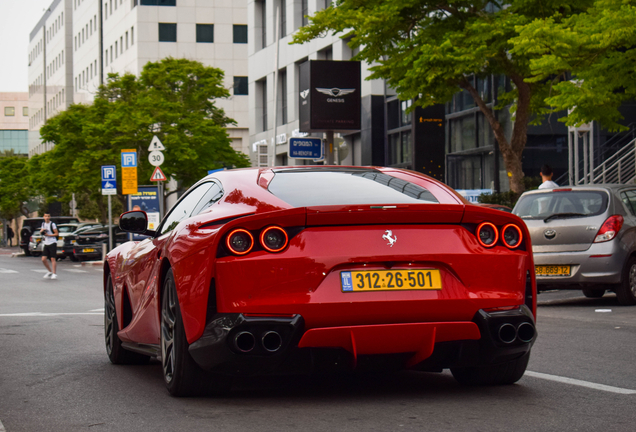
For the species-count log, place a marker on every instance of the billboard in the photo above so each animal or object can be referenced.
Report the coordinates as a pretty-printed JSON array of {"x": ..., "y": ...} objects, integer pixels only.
[
  {"x": 146, "y": 199},
  {"x": 329, "y": 97}
]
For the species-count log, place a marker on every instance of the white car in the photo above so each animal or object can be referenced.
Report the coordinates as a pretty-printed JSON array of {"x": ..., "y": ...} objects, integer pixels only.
[{"x": 36, "y": 245}]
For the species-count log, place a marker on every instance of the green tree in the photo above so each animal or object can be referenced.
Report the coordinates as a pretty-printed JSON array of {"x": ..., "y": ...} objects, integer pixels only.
[
  {"x": 427, "y": 50},
  {"x": 595, "y": 48},
  {"x": 173, "y": 99},
  {"x": 14, "y": 185}
]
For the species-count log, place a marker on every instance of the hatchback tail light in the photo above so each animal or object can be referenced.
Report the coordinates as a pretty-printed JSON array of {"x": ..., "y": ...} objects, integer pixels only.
[
  {"x": 610, "y": 228},
  {"x": 487, "y": 234}
]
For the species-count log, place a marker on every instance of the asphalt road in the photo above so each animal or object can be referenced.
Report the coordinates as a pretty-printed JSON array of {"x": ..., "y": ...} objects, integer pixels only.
[{"x": 55, "y": 375}]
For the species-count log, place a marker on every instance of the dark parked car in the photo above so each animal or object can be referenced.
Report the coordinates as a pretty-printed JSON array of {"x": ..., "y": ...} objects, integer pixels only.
[
  {"x": 583, "y": 237},
  {"x": 71, "y": 239},
  {"x": 88, "y": 244},
  {"x": 32, "y": 225}
]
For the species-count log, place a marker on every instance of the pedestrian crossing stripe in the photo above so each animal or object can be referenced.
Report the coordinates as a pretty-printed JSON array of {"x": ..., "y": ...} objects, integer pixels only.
[{"x": 158, "y": 175}]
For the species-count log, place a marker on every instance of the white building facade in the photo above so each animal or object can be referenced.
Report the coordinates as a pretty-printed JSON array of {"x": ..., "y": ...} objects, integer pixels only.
[
  {"x": 71, "y": 56},
  {"x": 272, "y": 24}
]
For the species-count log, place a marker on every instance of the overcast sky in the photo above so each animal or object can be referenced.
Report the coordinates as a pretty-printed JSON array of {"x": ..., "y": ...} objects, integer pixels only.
[{"x": 17, "y": 19}]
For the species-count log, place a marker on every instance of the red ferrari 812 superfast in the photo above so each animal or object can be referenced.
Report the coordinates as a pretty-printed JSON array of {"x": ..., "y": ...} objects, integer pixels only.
[{"x": 321, "y": 268}]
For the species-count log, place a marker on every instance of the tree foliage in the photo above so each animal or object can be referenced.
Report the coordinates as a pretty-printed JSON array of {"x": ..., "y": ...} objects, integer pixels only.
[
  {"x": 13, "y": 189},
  {"x": 173, "y": 99},
  {"x": 597, "y": 49},
  {"x": 427, "y": 50}
]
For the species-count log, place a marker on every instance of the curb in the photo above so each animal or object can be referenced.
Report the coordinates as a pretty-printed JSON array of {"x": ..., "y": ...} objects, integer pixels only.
[{"x": 92, "y": 263}]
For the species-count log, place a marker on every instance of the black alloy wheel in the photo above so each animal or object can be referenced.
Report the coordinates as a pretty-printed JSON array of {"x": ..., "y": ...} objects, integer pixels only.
[
  {"x": 181, "y": 374},
  {"x": 116, "y": 353},
  {"x": 626, "y": 290}
]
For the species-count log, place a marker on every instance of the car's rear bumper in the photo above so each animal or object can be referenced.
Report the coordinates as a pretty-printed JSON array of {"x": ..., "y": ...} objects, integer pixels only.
[
  {"x": 239, "y": 344},
  {"x": 600, "y": 264}
]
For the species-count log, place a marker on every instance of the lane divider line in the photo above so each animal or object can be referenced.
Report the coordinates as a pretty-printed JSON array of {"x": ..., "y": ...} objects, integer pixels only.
[
  {"x": 2, "y": 429},
  {"x": 580, "y": 383}
]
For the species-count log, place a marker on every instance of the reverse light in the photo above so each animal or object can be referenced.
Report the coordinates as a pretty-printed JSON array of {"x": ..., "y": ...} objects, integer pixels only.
[
  {"x": 609, "y": 229},
  {"x": 273, "y": 239},
  {"x": 239, "y": 241},
  {"x": 511, "y": 235},
  {"x": 487, "y": 234}
]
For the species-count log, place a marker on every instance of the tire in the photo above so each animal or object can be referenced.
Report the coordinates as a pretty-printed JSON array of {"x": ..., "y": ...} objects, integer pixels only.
[
  {"x": 27, "y": 252},
  {"x": 500, "y": 374},
  {"x": 593, "y": 292},
  {"x": 116, "y": 352},
  {"x": 626, "y": 291},
  {"x": 36, "y": 254},
  {"x": 73, "y": 258},
  {"x": 181, "y": 374}
]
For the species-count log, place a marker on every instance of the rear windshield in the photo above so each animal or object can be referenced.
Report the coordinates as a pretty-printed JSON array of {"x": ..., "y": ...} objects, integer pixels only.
[
  {"x": 581, "y": 203},
  {"x": 66, "y": 229},
  {"x": 346, "y": 187}
]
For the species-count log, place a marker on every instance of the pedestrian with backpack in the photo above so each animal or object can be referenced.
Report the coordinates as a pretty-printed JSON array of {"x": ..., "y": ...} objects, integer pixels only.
[{"x": 49, "y": 233}]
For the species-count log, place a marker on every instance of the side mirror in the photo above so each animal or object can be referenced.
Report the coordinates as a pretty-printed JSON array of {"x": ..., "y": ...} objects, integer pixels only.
[{"x": 135, "y": 222}]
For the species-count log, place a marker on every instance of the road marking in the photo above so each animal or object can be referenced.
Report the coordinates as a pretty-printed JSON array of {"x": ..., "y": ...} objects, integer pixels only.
[
  {"x": 97, "y": 310},
  {"x": 3, "y": 270},
  {"x": 40, "y": 271},
  {"x": 2, "y": 429},
  {"x": 48, "y": 314},
  {"x": 75, "y": 271},
  {"x": 580, "y": 383}
]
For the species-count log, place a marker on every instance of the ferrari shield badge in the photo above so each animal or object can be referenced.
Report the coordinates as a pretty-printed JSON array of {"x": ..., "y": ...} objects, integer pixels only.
[{"x": 388, "y": 236}]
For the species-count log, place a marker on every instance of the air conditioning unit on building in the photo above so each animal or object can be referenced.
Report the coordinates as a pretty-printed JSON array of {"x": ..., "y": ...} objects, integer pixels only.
[{"x": 263, "y": 157}]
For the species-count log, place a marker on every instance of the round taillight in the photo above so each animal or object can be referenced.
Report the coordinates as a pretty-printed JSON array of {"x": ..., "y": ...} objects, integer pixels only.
[
  {"x": 273, "y": 239},
  {"x": 487, "y": 234},
  {"x": 511, "y": 235},
  {"x": 240, "y": 241}
]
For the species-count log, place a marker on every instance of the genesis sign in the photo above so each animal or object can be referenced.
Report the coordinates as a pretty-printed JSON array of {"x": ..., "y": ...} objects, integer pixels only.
[{"x": 329, "y": 98}]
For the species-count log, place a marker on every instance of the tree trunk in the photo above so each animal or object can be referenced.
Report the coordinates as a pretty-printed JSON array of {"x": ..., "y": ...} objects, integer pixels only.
[{"x": 510, "y": 151}]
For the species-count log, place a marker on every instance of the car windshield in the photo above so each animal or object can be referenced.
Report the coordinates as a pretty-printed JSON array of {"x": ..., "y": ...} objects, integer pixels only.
[
  {"x": 66, "y": 228},
  {"x": 561, "y": 204},
  {"x": 304, "y": 188}
]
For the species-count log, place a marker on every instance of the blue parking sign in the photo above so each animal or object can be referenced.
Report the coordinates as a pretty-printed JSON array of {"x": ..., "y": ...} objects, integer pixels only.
[
  {"x": 109, "y": 180},
  {"x": 128, "y": 159},
  {"x": 345, "y": 279}
]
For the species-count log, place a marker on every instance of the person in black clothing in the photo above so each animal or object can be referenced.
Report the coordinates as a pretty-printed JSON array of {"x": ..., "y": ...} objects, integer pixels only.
[{"x": 10, "y": 236}]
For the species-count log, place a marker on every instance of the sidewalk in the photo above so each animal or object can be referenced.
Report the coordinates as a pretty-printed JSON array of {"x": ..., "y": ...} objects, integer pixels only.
[{"x": 10, "y": 250}]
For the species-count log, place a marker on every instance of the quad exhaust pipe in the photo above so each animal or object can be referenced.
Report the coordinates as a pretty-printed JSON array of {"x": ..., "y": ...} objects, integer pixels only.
[
  {"x": 245, "y": 341},
  {"x": 508, "y": 333}
]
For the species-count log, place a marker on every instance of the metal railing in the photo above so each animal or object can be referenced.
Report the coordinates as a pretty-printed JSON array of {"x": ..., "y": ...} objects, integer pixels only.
[{"x": 611, "y": 153}]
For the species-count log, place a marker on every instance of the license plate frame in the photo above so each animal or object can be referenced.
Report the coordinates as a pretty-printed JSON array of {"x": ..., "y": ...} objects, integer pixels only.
[
  {"x": 553, "y": 270},
  {"x": 88, "y": 250},
  {"x": 389, "y": 280}
]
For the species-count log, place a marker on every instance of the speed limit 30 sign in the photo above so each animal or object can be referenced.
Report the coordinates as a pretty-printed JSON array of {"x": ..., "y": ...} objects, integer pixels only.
[{"x": 155, "y": 158}]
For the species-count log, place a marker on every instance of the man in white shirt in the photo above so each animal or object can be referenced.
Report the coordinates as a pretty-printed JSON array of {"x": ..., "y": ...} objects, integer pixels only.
[
  {"x": 546, "y": 177},
  {"x": 49, "y": 233}
]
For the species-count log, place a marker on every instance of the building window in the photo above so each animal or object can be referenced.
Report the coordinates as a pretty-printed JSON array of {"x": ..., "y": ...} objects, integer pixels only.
[
  {"x": 167, "y": 32},
  {"x": 240, "y": 86},
  {"x": 158, "y": 2},
  {"x": 132, "y": 36},
  {"x": 106, "y": 57},
  {"x": 205, "y": 33},
  {"x": 126, "y": 40},
  {"x": 261, "y": 89},
  {"x": 25, "y": 111},
  {"x": 304, "y": 10},
  {"x": 121, "y": 45},
  {"x": 282, "y": 97},
  {"x": 105, "y": 11},
  {"x": 116, "y": 50},
  {"x": 262, "y": 13},
  {"x": 240, "y": 34},
  {"x": 283, "y": 18},
  {"x": 9, "y": 111}
]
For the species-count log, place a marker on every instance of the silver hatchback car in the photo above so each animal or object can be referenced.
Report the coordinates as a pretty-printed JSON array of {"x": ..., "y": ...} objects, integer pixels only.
[{"x": 583, "y": 237}]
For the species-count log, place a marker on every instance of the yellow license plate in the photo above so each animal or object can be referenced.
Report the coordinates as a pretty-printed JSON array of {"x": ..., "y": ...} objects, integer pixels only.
[
  {"x": 553, "y": 270},
  {"x": 390, "y": 280},
  {"x": 88, "y": 250}
]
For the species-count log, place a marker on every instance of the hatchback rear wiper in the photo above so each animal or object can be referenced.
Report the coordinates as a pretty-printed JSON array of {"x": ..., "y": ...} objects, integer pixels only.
[{"x": 562, "y": 215}]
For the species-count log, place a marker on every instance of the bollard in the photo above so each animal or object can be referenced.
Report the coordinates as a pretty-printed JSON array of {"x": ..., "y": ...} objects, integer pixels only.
[{"x": 104, "y": 250}]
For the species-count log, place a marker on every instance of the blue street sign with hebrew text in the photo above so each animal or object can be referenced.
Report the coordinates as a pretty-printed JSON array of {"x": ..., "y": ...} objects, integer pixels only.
[{"x": 305, "y": 148}]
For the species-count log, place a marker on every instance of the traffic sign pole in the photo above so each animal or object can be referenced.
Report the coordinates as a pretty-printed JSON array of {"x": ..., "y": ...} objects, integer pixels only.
[{"x": 110, "y": 227}]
